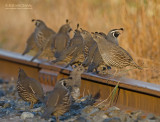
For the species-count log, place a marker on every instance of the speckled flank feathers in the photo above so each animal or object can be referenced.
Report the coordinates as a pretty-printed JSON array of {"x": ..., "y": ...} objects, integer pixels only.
[
  {"x": 59, "y": 100},
  {"x": 29, "y": 89},
  {"x": 74, "y": 51},
  {"x": 42, "y": 35},
  {"x": 112, "y": 54},
  {"x": 97, "y": 60}
]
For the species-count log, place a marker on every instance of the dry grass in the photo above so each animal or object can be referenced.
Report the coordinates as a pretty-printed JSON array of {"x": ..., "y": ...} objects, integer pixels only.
[
  {"x": 139, "y": 18},
  {"x": 111, "y": 98}
]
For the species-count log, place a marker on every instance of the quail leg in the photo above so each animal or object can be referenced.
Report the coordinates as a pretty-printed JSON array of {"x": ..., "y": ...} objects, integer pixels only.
[
  {"x": 57, "y": 119},
  {"x": 31, "y": 105},
  {"x": 28, "y": 48},
  {"x": 64, "y": 54},
  {"x": 38, "y": 54},
  {"x": 90, "y": 55}
]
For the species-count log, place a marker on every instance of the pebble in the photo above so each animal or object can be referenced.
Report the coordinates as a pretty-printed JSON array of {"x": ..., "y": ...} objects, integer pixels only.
[
  {"x": 88, "y": 109},
  {"x": 80, "y": 119},
  {"x": 12, "y": 108},
  {"x": 114, "y": 119},
  {"x": 113, "y": 111},
  {"x": 2, "y": 93},
  {"x": 7, "y": 105},
  {"x": 1, "y": 81},
  {"x": 150, "y": 116},
  {"x": 136, "y": 114},
  {"x": 2, "y": 103},
  {"x": 99, "y": 116},
  {"x": 36, "y": 109},
  {"x": 25, "y": 115},
  {"x": 113, "y": 108}
]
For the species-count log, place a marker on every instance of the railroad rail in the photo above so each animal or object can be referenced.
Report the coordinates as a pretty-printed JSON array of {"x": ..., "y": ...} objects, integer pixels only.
[{"x": 132, "y": 94}]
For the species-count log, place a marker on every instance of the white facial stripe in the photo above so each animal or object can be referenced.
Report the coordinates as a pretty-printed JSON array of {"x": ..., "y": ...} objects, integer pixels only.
[
  {"x": 113, "y": 35},
  {"x": 113, "y": 31}
]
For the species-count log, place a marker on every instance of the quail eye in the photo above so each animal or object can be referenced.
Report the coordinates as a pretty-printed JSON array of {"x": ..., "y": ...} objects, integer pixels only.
[
  {"x": 116, "y": 34},
  {"x": 64, "y": 84}
]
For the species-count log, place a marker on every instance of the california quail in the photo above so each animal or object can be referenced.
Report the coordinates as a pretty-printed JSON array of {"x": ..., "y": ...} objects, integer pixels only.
[
  {"x": 29, "y": 89},
  {"x": 97, "y": 59},
  {"x": 74, "y": 81},
  {"x": 43, "y": 35},
  {"x": 88, "y": 41},
  {"x": 112, "y": 54},
  {"x": 112, "y": 35},
  {"x": 59, "y": 100},
  {"x": 30, "y": 44},
  {"x": 61, "y": 39},
  {"x": 85, "y": 48},
  {"x": 74, "y": 47},
  {"x": 77, "y": 38},
  {"x": 82, "y": 50}
]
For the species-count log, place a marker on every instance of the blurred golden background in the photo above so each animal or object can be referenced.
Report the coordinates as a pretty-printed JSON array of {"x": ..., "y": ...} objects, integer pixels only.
[{"x": 139, "y": 18}]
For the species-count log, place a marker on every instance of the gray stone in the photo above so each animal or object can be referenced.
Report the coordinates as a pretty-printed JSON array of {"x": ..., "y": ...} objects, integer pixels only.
[
  {"x": 135, "y": 115},
  {"x": 150, "y": 116},
  {"x": 123, "y": 117},
  {"x": 88, "y": 109},
  {"x": 94, "y": 110},
  {"x": 80, "y": 119},
  {"x": 114, "y": 108},
  {"x": 112, "y": 111},
  {"x": 1, "y": 81},
  {"x": 98, "y": 116},
  {"x": 26, "y": 115},
  {"x": 158, "y": 118},
  {"x": 141, "y": 120},
  {"x": 2, "y": 93},
  {"x": 2, "y": 103},
  {"x": 7, "y": 105},
  {"x": 36, "y": 109},
  {"x": 149, "y": 120},
  {"x": 129, "y": 119},
  {"x": 114, "y": 119}
]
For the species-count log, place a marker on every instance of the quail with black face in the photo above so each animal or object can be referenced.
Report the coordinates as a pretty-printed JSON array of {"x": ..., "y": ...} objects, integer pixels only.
[
  {"x": 112, "y": 54},
  {"x": 113, "y": 34},
  {"x": 59, "y": 100},
  {"x": 97, "y": 60}
]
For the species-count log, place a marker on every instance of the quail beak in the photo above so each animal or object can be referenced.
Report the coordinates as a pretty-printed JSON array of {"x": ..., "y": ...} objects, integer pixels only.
[
  {"x": 75, "y": 31},
  {"x": 93, "y": 34},
  {"x": 81, "y": 29},
  {"x": 36, "y": 22},
  {"x": 70, "y": 29}
]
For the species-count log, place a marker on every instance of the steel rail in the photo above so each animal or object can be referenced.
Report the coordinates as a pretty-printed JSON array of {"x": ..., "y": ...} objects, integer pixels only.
[{"x": 132, "y": 94}]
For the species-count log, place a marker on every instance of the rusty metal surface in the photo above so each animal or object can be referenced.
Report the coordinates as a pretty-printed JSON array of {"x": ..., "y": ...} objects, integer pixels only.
[{"x": 132, "y": 93}]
